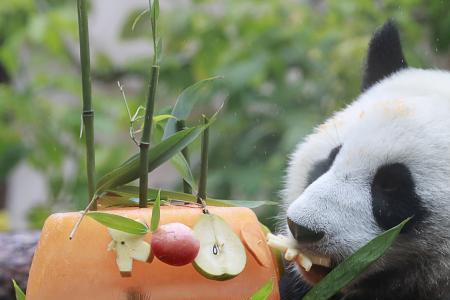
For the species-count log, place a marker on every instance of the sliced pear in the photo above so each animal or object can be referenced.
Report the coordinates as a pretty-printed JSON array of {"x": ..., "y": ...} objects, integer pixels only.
[
  {"x": 222, "y": 255},
  {"x": 128, "y": 247}
]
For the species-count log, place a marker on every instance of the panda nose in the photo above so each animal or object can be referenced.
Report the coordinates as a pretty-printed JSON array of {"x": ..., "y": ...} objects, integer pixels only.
[{"x": 304, "y": 234}]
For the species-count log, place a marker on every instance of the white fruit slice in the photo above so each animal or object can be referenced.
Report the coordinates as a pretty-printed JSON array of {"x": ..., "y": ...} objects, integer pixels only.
[
  {"x": 123, "y": 258},
  {"x": 128, "y": 247},
  {"x": 139, "y": 250},
  {"x": 292, "y": 253},
  {"x": 222, "y": 254}
]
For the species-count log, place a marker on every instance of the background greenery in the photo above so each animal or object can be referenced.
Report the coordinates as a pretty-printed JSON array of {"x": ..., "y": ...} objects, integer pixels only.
[{"x": 287, "y": 65}]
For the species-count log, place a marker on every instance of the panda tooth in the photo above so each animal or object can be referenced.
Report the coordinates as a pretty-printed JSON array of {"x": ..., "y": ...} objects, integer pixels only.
[
  {"x": 304, "y": 261},
  {"x": 320, "y": 260},
  {"x": 291, "y": 254}
]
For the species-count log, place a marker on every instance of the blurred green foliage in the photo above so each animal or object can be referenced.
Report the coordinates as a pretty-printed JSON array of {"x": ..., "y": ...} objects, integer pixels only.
[{"x": 287, "y": 65}]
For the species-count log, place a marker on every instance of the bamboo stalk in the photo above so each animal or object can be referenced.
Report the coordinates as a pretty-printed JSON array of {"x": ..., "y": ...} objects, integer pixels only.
[
  {"x": 88, "y": 112},
  {"x": 146, "y": 133},
  {"x": 185, "y": 152},
  {"x": 145, "y": 140},
  {"x": 201, "y": 196}
]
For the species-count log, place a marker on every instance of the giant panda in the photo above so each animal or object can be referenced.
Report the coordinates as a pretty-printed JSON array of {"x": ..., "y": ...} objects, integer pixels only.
[{"x": 382, "y": 159}]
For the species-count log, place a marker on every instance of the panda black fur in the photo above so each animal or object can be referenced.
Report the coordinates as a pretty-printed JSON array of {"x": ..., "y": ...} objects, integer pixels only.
[{"x": 382, "y": 159}]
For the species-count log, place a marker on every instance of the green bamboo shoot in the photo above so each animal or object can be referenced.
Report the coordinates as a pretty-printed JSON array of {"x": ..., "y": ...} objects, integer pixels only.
[{"x": 88, "y": 112}]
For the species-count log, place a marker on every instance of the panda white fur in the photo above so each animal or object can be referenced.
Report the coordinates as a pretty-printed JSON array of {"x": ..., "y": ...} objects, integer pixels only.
[{"x": 382, "y": 159}]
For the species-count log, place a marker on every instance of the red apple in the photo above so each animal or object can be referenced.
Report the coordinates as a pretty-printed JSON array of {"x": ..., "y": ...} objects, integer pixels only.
[{"x": 175, "y": 244}]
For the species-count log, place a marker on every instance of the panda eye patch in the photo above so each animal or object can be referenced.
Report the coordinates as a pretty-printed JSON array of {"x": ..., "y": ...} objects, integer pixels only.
[
  {"x": 321, "y": 167},
  {"x": 394, "y": 197},
  {"x": 393, "y": 178},
  {"x": 388, "y": 181}
]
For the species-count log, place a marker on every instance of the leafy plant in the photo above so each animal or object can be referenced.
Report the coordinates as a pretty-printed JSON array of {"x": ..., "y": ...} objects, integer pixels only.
[
  {"x": 174, "y": 140},
  {"x": 285, "y": 67}
]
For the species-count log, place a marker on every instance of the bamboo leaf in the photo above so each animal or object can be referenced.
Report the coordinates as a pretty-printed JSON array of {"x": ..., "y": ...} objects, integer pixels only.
[
  {"x": 114, "y": 199},
  {"x": 119, "y": 223},
  {"x": 126, "y": 193},
  {"x": 160, "y": 118},
  {"x": 20, "y": 295},
  {"x": 157, "y": 155},
  {"x": 159, "y": 49},
  {"x": 185, "y": 103},
  {"x": 239, "y": 203},
  {"x": 156, "y": 212},
  {"x": 158, "y": 125},
  {"x": 187, "y": 187},
  {"x": 354, "y": 265},
  {"x": 154, "y": 14},
  {"x": 182, "y": 166},
  {"x": 157, "y": 133},
  {"x": 157, "y": 128},
  {"x": 131, "y": 191},
  {"x": 136, "y": 20},
  {"x": 155, "y": 9},
  {"x": 202, "y": 181},
  {"x": 264, "y": 292}
]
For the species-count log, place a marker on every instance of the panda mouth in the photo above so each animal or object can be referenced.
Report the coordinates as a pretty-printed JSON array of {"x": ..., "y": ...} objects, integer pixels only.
[
  {"x": 315, "y": 274},
  {"x": 318, "y": 270},
  {"x": 313, "y": 265}
]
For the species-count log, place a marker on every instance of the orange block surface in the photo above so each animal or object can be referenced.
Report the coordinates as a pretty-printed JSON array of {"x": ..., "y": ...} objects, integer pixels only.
[{"x": 83, "y": 269}]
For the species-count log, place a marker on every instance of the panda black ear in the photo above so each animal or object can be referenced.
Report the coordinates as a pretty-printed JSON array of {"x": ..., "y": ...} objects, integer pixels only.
[{"x": 384, "y": 56}]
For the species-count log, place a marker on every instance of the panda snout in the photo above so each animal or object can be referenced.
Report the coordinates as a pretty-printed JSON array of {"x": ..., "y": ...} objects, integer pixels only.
[{"x": 304, "y": 234}]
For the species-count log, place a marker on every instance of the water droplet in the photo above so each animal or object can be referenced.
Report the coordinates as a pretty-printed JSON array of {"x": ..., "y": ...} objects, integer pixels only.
[{"x": 215, "y": 249}]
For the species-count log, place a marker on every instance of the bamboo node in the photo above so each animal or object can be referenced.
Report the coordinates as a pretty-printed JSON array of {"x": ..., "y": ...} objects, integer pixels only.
[{"x": 88, "y": 113}]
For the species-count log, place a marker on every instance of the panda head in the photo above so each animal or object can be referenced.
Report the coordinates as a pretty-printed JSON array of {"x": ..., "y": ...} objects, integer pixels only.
[{"x": 382, "y": 159}]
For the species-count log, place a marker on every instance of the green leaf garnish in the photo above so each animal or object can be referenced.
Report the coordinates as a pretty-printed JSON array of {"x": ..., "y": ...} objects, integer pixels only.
[{"x": 119, "y": 222}]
